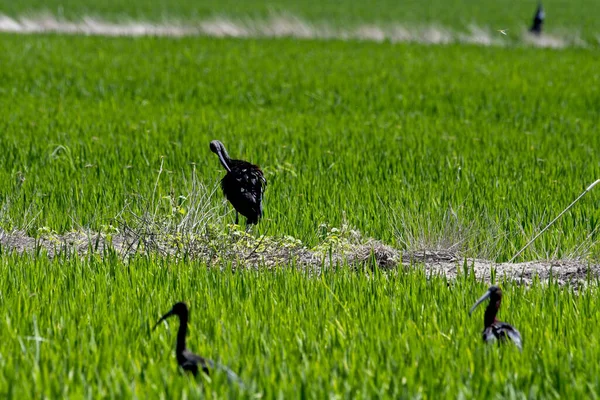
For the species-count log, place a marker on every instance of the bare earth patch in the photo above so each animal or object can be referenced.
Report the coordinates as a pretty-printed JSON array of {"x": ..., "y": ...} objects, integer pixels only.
[
  {"x": 243, "y": 250},
  {"x": 284, "y": 25}
]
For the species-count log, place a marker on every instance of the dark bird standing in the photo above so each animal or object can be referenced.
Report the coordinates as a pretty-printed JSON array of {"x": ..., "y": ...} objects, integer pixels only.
[
  {"x": 494, "y": 329},
  {"x": 185, "y": 358},
  {"x": 243, "y": 185},
  {"x": 538, "y": 20}
]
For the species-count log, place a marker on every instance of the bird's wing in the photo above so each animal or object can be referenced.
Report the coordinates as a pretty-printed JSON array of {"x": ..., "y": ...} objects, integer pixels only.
[
  {"x": 515, "y": 336},
  {"x": 206, "y": 363},
  {"x": 489, "y": 335},
  {"x": 503, "y": 329},
  {"x": 231, "y": 376},
  {"x": 261, "y": 182},
  {"x": 252, "y": 182},
  {"x": 253, "y": 178},
  {"x": 195, "y": 362}
]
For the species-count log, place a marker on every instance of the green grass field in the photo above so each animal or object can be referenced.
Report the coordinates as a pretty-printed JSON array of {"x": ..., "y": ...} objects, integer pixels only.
[
  {"x": 461, "y": 148},
  {"x": 75, "y": 329},
  {"x": 416, "y": 146}
]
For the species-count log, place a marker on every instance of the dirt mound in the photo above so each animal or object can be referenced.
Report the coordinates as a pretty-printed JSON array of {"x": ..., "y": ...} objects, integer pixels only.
[
  {"x": 575, "y": 272},
  {"x": 339, "y": 247}
]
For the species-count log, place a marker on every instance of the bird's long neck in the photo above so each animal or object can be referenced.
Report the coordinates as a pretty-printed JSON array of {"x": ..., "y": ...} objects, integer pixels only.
[
  {"x": 183, "y": 320},
  {"x": 490, "y": 313}
]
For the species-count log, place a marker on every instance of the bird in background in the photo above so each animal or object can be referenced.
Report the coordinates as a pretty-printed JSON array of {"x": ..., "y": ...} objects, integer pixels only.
[
  {"x": 538, "y": 20},
  {"x": 493, "y": 329},
  {"x": 243, "y": 185},
  {"x": 187, "y": 360}
]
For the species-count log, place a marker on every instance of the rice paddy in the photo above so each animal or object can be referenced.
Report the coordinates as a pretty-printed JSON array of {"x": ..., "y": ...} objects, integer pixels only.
[
  {"x": 82, "y": 328},
  {"x": 463, "y": 149}
]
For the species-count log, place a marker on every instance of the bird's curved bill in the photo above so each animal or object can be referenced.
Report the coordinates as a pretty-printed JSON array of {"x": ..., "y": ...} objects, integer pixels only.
[
  {"x": 167, "y": 315},
  {"x": 483, "y": 298},
  {"x": 223, "y": 162}
]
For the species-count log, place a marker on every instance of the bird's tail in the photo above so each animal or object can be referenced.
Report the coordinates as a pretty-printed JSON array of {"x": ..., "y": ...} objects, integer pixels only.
[{"x": 232, "y": 377}]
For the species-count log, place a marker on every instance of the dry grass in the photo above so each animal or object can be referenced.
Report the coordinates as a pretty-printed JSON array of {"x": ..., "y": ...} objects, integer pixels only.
[{"x": 239, "y": 249}]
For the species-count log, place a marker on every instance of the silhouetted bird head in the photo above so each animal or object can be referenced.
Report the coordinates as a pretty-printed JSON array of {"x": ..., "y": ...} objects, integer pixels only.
[
  {"x": 180, "y": 309},
  {"x": 538, "y": 20},
  {"x": 494, "y": 293},
  {"x": 218, "y": 148},
  {"x": 539, "y": 13}
]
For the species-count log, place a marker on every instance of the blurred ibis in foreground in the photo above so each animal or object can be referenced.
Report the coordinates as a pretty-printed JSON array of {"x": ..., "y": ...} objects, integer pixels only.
[
  {"x": 186, "y": 359},
  {"x": 494, "y": 329},
  {"x": 243, "y": 185},
  {"x": 538, "y": 20}
]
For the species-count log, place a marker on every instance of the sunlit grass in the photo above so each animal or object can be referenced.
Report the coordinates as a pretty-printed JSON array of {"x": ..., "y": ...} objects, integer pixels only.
[
  {"x": 456, "y": 147},
  {"x": 82, "y": 328},
  {"x": 451, "y": 147}
]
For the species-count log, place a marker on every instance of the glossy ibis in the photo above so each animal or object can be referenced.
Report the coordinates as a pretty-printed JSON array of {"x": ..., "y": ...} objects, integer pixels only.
[
  {"x": 243, "y": 185},
  {"x": 494, "y": 329},
  {"x": 185, "y": 358},
  {"x": 538, "y": 20}
]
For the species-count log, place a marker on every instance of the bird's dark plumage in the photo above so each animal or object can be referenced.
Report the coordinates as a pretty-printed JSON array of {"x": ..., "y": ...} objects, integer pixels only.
[
  {"x": 185, "y": 358},
  {"x": 494, "y": 329},
  {"x": 538, "y": 20},
  {"x": 243, "y": 185}
]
